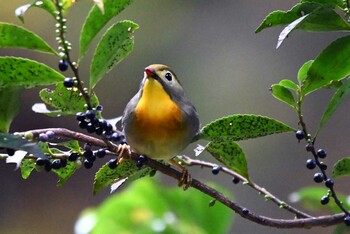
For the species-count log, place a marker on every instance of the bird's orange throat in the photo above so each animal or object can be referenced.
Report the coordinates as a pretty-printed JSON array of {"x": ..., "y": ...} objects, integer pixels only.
[{"x": 157, "y": 115}]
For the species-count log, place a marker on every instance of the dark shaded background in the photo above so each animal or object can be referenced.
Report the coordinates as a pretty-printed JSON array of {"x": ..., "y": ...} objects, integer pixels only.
[{"x": 225, "y": 67}]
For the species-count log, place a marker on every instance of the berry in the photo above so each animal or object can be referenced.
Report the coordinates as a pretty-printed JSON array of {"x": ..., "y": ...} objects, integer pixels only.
[
  {"x": 68, "y": 82},
  {"x": 112, "y": 164},
  {"x": 347, "y": 220},
  {"x": 10, "y": 151},
  {"x": 109, "y": 127},
  {"x": 103, "y": 124},
  {"x": 90, "y": 114},
  {"x": 324, "y": 200},
  {"x": 90, "y": 128},
  {"x": 48, "y": 166},
  {"x": 318, "y": 177},
  {"x": 300, "y": 134},
  {"x": 63, "y": 65},
  {"x": 80, "y": 116},
  {"x": 141, "y": 161},
  {"x": 245, "y": 211},
  {"x": 123, "y": 142},
  {"x": 321, "y": 153},
  {"x": 56, "y": 164},
  {"x": 101, "y": 153},
  {"x": 329, "y": 183},
  {"x": 235, "y": 180},
  {"x": 40, "y": 162},
  {"x": 139, "y": 164},
  {"x": 92, "y": 158},
  {"x": 310, "y": 164},
  {"x": 43, "y": 137},
  {"x": 142, "y": 158},
  {"x": 309, "y": 147},
  {"x": 63, "y": 163},
  {"x": 50, "y": 134},
  {"x": 98, "y": 131},
  {"x": 99, "y": 108},
  {"x": 216, "y": 170},
  {"x": 323, "y": 166},
  {"x": 115, "y": 137},
  {"x": 73, "y": 157},
  {"x": 83, "y": 124},
  {"x": 88, "y": 164}
]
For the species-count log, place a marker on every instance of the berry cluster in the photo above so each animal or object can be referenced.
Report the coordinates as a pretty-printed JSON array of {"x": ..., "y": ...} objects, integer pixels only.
[
  {"x": 216, "y": 169},
  {"x": 48, "y": 164},
  {"x": 44, "y": 137}
]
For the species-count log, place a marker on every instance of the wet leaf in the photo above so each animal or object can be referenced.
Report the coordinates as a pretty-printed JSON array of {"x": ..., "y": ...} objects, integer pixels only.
[
  {"x": 230, "y": 154},
  {"x": 10, "y": 101},
  {"x": 337, "y": 99},
  {"x": 241, "y": 127},
  {"x": 13, "y": 36},
  {"x": 332, "y": 64},
  {"x": 26, "y": 73},
  {"x": 283, "y": 94},
  {"x": 114, "y": 46},
  {"x": 96, "y": 20}
]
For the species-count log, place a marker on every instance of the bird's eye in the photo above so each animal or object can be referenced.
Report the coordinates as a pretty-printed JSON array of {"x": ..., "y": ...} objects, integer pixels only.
[{"x": 169, "y": 76}]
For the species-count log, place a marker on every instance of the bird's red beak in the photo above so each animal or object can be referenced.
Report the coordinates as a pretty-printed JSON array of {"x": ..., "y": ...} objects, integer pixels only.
[{"x": 149, "y": 72}]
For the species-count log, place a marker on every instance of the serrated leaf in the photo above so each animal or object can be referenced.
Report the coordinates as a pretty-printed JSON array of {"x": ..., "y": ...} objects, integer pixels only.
[
  {"x": 67, "y": 102},
  {"x": 241, "y": 127},
  {"x": 47, "y": 5},
  {"x": 114, "y": 46},
  {"x": 341, "y": 168},
  {"x": 230, "y": 154},
  {"x": 65, "y": 173},
  {"x": 106, "y": 176},
  {"x": 96, "y": 20},
  {"x": 13, "y": 36},
  {"x": 302, "y": 73},
  {"x": 332, "y": 64},
  {"x": 27, "y": 166},
  {"x": 288, "y": 84},
  {"x": 310, "y": 199},
  {"x": 26, "y": 73},
  {"x": 337, "y": 99},
  {"x": 10, "y": 101},
  {"x": 283, "y": 94},
  {"x": 18, "y": 143}
]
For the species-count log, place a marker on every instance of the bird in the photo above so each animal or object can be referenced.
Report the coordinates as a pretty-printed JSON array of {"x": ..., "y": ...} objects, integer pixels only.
[{"x": 160, "y": 121}]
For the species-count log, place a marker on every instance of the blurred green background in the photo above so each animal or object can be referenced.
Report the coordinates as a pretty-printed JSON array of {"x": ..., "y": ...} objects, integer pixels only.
[{"x": 225, "y": 68}]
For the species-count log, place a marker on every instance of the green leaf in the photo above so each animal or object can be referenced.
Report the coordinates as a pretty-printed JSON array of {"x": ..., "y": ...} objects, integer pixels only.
[
  {"x": 302, "y": 73},
  {"x": 230, "y": 154},
  {"x": 331, "y": 3},
  {"x": 10, "y": 100},
  {"x": 66, "y": 102},
  {"x": 287, "y": 30},
  {"x": 47, "y": 5},
  {"x": 332, "y": 64},
  {"x": 114, "y": 46},
  {"x": 283, "y": 94},
  {"x": 96, "y": 20},
  {"x": 73, "y": 145},
  {"x": 337, "y": 98},
  {"x": 65, "y": 173},
  {"x": 13, "y": 36},
  {"x": 240, "y": 127},
  {"x": 27, "y": 166},
  {"x": 18, "y": 143},
  {"x": 288, "y": 84},
  {"x": 106, "y": 176},
  {"x": 341, "y": 168},
  {"x": 26, "y": 73},
  {"x": 147, "y": 205},
  {"x": 310, "y": 199}
]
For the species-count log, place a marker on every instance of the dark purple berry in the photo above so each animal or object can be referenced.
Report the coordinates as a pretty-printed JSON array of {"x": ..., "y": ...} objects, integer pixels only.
[
  {"x": 318, "y": 177},
  {"x": 90, "y": 128},
  {"x": 216, "y": 169},
  {"x": 112, "y": 164},
  {"x": 324, "y": 200},
  {"x": 10, "y": 151},
  {"x": 347, "y": 220},
  {"x": 311, "y": 164},
  {"x": 309, "y": 147},
  {"x": 115, "y": 137},
  {"x": 235, "y": 180},
  {"x": 88, "y": 164},
  {"x": 63, "y": 65},
  {"x": 68, "y": 82},
  {"x": 98, "y": 131},
  {"x": 73, "y": 157},
  {"x": 321, "y": 153},
  {"x": 80, "y": 116},
  {"x": 139, "y": 164},
  {"x": 103, "y": 124},
  {"x": 40, "y": 162},
  {"x": 300, "y": 134},
  {"x": 88, "y": 153},
  {"x": 329, "y": 183},
  {"x": 83, "y": 124},
  {"x": 43, "y": 137},
  {"x": 56, "y": 164},
  {"x": 99, "y": 108},
  {"x": 323, "y": 166},
  {"x": 63, "y": 163},
  {"x": 101, "y": 153},
  {"x": 245, "y": 211},
  {"x": 90, "y": 114},
  {"x": 50, "y": 133},
  {"x": 48, "y": 166},
  {"x": 109, "y": 127},
  {"x": 92, "y": 158},
  {"x": 142, "y": 158},
  {"x": 123, "y": 142}
]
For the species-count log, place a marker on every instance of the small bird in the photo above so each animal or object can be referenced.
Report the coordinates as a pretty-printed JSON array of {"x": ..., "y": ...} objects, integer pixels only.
[{"x": 160, "y": 120}]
